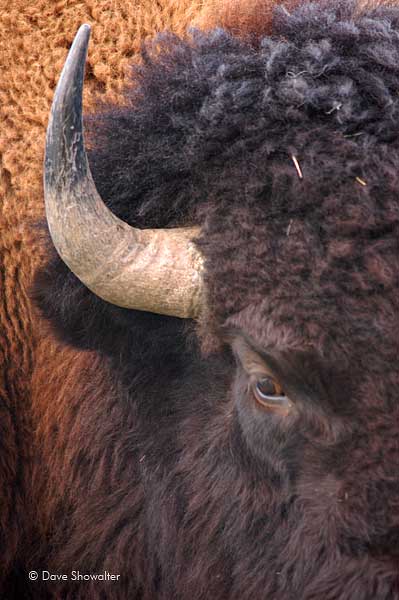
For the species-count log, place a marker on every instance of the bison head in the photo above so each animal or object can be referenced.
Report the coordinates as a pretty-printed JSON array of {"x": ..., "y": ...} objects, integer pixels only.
[{"x": 281, "y": 156}]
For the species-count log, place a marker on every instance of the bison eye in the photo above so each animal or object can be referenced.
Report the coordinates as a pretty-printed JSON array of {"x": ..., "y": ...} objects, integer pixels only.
[{"x": 268, "y": 392}]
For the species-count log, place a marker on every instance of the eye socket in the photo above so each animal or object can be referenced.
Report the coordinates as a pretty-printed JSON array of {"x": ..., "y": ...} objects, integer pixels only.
[{"x": 268, "y": 392}]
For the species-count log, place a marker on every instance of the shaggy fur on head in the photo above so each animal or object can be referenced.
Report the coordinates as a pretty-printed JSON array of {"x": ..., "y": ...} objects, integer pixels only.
[{"x": 287, "y": 154}]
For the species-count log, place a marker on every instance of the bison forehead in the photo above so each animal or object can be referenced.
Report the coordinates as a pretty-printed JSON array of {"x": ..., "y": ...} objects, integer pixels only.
[{"x": 319, "y": 255}]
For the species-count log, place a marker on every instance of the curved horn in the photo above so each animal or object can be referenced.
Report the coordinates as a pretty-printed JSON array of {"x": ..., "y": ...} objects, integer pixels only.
[{"x": 155, "y": 270}]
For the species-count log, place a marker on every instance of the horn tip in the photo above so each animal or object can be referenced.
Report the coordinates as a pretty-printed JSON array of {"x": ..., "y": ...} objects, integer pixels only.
[
  {"x": 83, "y": 33},
  {"x": 84, "y": 27}
]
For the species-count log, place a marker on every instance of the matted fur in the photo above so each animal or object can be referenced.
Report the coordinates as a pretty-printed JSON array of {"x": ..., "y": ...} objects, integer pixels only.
[{"x": 152, "y": 464}]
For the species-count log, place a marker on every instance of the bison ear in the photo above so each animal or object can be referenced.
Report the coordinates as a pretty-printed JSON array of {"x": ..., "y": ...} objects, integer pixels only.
[{"x": 247, "y": 19}]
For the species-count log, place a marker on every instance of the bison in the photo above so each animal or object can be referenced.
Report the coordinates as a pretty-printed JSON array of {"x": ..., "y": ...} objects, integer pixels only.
[{"x": 220, "y": 416}]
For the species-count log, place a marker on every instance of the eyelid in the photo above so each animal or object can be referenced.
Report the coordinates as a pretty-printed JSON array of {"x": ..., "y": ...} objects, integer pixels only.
[
  {"x": 282, "y": 405},
  {"x": 250, "y": 360}
]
